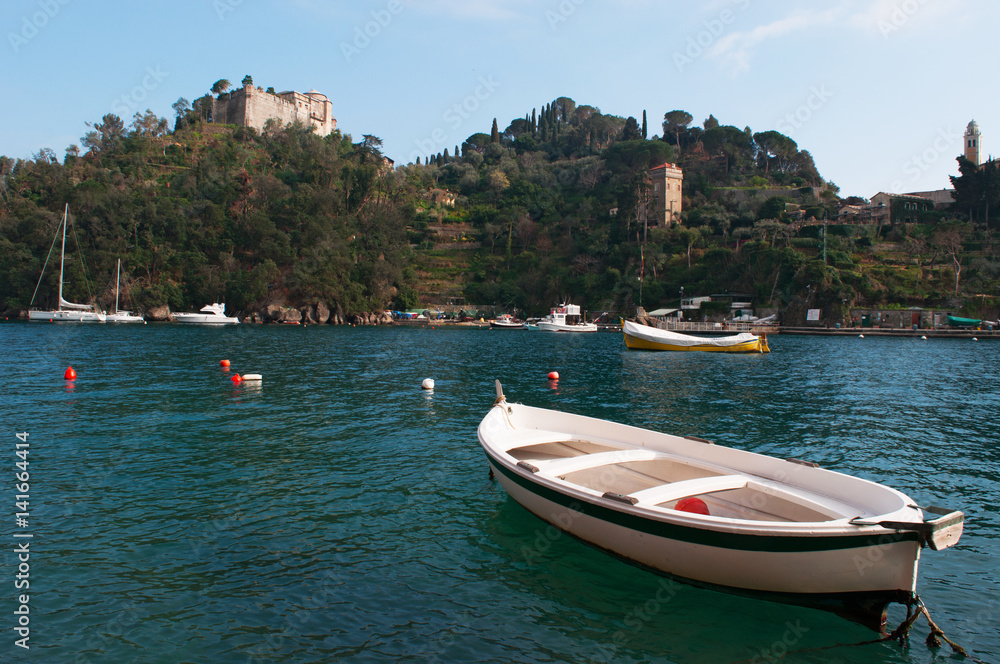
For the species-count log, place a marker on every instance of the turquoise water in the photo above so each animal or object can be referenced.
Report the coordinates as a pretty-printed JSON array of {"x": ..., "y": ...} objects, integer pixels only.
[{"x": 338, "y": 512}]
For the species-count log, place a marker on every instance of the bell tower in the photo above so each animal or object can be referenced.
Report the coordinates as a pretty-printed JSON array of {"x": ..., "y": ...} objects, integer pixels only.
[{"x": 973, "y": 149}]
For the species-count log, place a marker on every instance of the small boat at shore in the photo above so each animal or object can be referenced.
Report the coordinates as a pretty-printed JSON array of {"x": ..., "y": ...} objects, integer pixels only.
[
  {"x": 738, "y": 521},
  {"x": 644, "y": 337},
  {"x": 506, "y": 322},
  {"x": 210, "y": 314},
  {"x": 957, "y": 321},
  {"x": 565, "y": 318}
]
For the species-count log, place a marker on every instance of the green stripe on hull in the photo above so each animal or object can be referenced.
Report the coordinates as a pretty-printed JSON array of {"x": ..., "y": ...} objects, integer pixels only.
[{"x": 735, "y": 541}]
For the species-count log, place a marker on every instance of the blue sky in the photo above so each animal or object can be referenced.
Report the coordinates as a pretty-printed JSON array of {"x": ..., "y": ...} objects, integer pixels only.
[{"x": 879, "y": 92}]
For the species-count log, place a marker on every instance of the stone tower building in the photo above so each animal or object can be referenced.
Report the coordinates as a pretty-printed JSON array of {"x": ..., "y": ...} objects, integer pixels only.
[
  {"x": 252, "y": 107},
  {"x": 664, "y": 201},
  {"x": 973, "y": 149}
]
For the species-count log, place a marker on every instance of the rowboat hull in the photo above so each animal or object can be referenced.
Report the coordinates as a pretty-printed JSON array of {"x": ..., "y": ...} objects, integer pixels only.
[
  {"x": 750, "y": 563},
  {"x": 643, "y": 337},
  {"x": 776, "y": 527}
]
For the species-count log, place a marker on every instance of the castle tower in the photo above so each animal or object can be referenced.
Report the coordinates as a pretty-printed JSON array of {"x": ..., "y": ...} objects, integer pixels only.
[
  {"x": 665, "y": 197},
  {"x": 973, "y": 149}
]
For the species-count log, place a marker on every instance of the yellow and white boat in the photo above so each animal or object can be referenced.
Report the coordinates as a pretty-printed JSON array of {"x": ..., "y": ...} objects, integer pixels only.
[{"x": 643, "y": 337}]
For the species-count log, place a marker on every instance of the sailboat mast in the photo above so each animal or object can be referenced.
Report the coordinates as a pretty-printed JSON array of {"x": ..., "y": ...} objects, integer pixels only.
[
  {"x": 117, "y": 277},
  {"x": 62, "y": 258}
]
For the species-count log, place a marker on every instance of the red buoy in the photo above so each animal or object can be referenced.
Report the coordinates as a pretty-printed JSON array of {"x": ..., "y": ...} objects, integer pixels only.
[
  {"x": 553, "y": 375},
  {"x": 236, "y": 379},
  {"x": 693, "y": 505},
  {"x": 223, "y": 363},
  {"x": 70, "y": 374}
]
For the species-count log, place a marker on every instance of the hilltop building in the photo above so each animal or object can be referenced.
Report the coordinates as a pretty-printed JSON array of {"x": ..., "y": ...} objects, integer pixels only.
[
  {"x": 973, "y": 147},
  {"x": 252, "y": 107},
  {"x": 663, "y": 206}
]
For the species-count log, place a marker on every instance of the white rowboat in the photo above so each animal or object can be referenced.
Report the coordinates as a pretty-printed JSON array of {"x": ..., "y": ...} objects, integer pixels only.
[{"x": 773, "y": 526}]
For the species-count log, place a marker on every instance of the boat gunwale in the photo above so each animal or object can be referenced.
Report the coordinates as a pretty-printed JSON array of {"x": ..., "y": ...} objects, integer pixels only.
[{"x": 837, "y": 528}]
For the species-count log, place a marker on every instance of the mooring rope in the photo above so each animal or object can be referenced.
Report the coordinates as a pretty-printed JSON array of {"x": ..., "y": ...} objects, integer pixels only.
[{"x": 914, "y": 609}]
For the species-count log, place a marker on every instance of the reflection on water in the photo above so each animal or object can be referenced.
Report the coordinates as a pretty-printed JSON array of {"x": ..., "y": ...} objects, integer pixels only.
[{"x": 340, "y": 512}]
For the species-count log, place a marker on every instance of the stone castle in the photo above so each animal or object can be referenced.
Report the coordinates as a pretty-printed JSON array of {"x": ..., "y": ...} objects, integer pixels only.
[{"x": 252, "y": 107}]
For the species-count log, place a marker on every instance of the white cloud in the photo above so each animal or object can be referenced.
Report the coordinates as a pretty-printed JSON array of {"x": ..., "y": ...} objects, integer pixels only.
[{"x": 735, "y": 49}]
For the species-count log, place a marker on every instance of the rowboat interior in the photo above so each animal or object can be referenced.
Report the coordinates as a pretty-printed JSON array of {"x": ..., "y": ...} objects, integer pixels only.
[{"x": 658, "y": 480}]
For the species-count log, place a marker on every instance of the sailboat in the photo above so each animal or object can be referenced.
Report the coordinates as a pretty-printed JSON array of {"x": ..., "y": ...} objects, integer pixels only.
[
  {"x": 65, "y": 311},
  {"x": 122, "y": 316}
]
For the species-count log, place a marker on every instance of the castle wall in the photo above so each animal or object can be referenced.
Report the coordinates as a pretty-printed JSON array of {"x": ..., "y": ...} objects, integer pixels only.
[{"x": 252, "y": 107}]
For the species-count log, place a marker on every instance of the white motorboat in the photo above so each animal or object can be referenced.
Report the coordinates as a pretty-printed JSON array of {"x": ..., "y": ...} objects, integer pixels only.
[
  {"x": 119, "y": 316},
  {"x": 644, "y": 337},
  {"x": 715, "y": 515},
  {"x": 210, "y": 314},
  {"x": 65, "y": 311},
  {"x": 565, "y": 318}
]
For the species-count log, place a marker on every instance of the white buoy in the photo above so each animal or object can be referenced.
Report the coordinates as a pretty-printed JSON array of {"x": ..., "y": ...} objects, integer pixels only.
[
  {"x": 256, "y": 377},
  {"x": 975, "y": 339},
  {"x": 924, "y": 337},
  {"x": 427, "y": 384},
  {"x": 861, "y": 336}
]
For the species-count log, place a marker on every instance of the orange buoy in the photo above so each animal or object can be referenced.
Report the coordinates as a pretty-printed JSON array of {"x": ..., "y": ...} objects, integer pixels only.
[
  {"x": 553, "y": 375},
  {"x": 70, "y": 374},
  {"x": 223, "y": 363},
  {"x": 236, "y": 379},
  {"x": 693, "y": 505}
]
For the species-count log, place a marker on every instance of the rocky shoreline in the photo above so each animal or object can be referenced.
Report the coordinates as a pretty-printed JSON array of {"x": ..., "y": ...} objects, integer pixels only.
[{"x": 310, "y": 314}]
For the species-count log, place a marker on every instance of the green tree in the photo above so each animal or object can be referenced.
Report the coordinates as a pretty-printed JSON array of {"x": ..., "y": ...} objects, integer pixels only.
[
  {"x": 775, "y": 146},
  {"x": 495, "y": 132},
  {"x": 631, "y": 131},
  {"x": 247, "y": 80},
  {"x": 674, "y": 122},
  {"x": 181, "y": 107}
]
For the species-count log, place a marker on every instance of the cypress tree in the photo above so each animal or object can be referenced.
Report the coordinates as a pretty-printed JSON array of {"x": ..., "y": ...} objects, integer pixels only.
[
  {"x": 534, "y": 122},
  {"x": 495, "y": 132},
  {"x": 446, "y": 155},
  {"x": 644, "y": 124},
  {"x": 418, "y": 160}
]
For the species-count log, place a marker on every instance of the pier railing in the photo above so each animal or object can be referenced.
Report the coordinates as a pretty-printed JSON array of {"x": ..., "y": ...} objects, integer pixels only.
[{"x": 693, "y": 326}]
